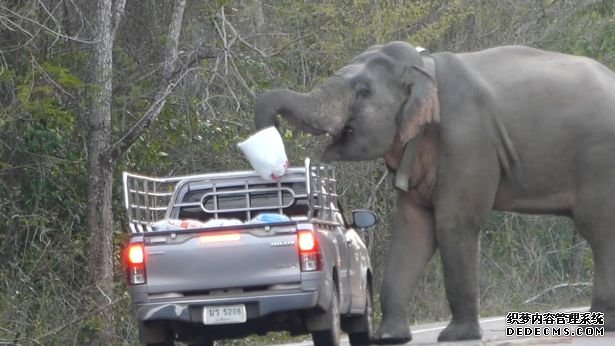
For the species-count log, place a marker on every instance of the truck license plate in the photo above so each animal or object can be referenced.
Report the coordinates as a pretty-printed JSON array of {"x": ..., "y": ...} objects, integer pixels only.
[{"x": 224, "y": 314}]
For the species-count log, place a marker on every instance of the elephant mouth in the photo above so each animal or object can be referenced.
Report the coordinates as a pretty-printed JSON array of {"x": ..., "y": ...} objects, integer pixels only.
[
  {"x": 333, "y": 143},
  {"x": 306, "y": 127},
  {"x": 341, "y": 136}
]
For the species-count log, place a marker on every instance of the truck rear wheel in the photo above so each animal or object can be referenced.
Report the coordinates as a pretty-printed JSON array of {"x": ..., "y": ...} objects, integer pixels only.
[
  {"x": 156, "y": 333},
  {"x": 202, "y": 343},
  {"x": 330, "y": 336}
]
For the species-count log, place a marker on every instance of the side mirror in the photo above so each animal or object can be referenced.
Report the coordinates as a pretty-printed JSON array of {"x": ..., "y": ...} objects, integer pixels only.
[{"x": 363, "y": 219}]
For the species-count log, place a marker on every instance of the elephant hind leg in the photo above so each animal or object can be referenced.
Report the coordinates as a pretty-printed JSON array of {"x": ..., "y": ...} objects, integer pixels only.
[
  {"x": 599, "y": 230},
  {"x": 603, "y": 297}
]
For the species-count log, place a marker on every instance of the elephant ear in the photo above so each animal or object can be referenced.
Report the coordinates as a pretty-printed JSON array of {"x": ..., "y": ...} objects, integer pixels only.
[{"x": 422, "y": 107}]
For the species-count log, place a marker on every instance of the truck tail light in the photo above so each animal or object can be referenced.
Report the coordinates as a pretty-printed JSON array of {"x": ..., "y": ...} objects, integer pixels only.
[
  {"x": 135, "y": 260},
  {"x": 309, "y": 250}
]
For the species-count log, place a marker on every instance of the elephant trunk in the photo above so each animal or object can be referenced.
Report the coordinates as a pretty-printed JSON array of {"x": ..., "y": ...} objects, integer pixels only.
[{"x": 315, "y": 112}]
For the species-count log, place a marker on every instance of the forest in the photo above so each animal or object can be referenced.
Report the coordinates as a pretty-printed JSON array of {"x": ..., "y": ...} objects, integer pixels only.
[{"x": 92, "y": 88}]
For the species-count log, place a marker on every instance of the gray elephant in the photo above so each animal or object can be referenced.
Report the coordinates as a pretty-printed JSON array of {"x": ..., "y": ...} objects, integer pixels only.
[{"x": 510, "y": 128}]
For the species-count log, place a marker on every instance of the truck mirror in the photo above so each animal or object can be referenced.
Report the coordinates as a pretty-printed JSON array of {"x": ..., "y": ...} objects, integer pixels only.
[{"x": 363, "y": 219}]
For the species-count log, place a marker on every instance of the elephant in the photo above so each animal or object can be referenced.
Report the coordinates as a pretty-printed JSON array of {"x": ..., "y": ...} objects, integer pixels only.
[{"x": 509, "y": 128}]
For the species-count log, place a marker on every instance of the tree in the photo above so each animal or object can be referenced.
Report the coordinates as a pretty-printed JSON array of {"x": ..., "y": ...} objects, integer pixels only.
[{"x": 103, "y": 153}]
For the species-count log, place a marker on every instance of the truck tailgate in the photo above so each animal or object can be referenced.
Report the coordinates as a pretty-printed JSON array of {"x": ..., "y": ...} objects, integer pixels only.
[{"x": 199, "y": 262}]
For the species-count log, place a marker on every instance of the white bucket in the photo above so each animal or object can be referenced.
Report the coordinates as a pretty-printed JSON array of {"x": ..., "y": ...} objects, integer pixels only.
[{"x": 265, "y": 151}]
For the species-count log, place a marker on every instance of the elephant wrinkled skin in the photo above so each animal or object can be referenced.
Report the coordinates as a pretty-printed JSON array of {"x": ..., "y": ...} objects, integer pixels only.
[{"x": 509, "y": 128}]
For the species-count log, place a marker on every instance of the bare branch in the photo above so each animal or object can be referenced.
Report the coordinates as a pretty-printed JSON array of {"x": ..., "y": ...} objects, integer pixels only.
[
  {"x": 13, "y": 25},
  {"x": 48, "y": 78},
  {"x": 222, "y": 31},
  {"x": 372, "y": 198},
  {"x": 234, "y": 31},
  {"x": 550, "y": 289},
  {"x": 78, "y": 318},
  {"x": 53, "y": 18},
  {"x": 167, "y": 85},
  {"x": 175, "y": 28},
  {"x": 118, "y": 12},
  {"x": 40, "y": 25},
  {"x": 256, "y": 49}
]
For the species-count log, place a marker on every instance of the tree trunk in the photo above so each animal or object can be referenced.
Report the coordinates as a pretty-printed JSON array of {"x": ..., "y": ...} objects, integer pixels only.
[
  {"x": 100, "y": 224},
  {"x": 103, "y": 155},
  {"x": 100, "y": 173}
]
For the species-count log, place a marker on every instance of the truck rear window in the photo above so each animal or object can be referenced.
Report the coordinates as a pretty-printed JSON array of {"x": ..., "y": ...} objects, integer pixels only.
[{"x": 238, "y": 203}]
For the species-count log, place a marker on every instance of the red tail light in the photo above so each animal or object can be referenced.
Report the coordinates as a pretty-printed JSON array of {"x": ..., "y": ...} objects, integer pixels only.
[
  {"x": 306, "y": 241},
  {"x": 135, "y": 253},
  {"x": 135, "y": 260},
  {"x": 309, "y": 251}
]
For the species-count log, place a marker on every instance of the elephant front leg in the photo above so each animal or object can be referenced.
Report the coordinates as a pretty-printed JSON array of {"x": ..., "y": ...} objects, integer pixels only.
[
  {"x": 459, "y": 248},
  {"x": 411, "y": 247},
  {"x": 459, "y": 213}
]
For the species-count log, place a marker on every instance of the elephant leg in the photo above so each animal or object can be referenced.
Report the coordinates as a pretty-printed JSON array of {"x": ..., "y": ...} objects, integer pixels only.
[
  {"x": 595, "y": 221},
  {"x": 603, "y": 297},
  {"x": 599, "y": 230},
  {"x": 411, "y": 247},
  {"x": 462, "y": 202}
]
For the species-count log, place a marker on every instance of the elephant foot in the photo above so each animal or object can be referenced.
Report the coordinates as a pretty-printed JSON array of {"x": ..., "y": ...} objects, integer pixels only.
[
  {"x": 457, "y": 331},
  {"x": 609, "y": 315},
  {"x": 392, "y": 333},
  {"x": 609, "y": 322}
]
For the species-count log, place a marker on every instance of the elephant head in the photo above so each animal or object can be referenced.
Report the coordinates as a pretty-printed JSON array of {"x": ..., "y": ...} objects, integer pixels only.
[{"x": 384, "y": 95}]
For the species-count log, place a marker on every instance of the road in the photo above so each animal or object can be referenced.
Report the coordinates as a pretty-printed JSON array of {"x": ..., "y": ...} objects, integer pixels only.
[{"x": 494, "y": 334}]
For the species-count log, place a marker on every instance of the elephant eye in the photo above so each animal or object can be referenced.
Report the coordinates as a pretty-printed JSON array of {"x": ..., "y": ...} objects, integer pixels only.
[
  {"x": 364, "y": 92},
  {"x": 347, "y": 131}
]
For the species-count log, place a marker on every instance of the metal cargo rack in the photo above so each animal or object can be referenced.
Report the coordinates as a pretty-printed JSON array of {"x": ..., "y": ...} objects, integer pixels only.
[{"x": 150, "y": 199}]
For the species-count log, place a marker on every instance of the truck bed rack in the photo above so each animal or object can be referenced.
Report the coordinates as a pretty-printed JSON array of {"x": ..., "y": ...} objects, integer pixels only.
[{"x": 151, "y": 199}]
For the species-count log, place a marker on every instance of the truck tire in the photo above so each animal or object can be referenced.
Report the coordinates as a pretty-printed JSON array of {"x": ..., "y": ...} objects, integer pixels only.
[
  {"x": 330, "y": 336},
  {"x": 202, "y": 343},
  {"x": 156, "y": 333},
  {"x": 365, "y": 323}
]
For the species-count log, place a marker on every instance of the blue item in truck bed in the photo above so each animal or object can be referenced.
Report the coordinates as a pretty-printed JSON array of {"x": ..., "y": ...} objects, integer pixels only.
[{"x": 269, "y": 217}]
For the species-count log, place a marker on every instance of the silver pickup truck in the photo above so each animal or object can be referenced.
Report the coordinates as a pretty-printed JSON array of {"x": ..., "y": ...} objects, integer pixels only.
[{"x": 226, "y": 255}]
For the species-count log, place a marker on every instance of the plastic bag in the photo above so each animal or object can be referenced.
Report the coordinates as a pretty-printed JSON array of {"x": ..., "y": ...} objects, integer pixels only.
[
  {"x": 178, "y": 225},
  {"x": 269, "y": 217},
  {"x": 222, "y": 222},
  {"x": 266, "y": 153}
]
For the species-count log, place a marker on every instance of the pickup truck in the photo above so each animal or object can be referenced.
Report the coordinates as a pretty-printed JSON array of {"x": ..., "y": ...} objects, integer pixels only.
[{"x": 225, "y": 255}]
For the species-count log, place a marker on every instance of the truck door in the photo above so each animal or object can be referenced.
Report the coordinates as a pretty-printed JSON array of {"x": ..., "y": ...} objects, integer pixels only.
[
  {"x": 345, "y": 259},
  {"x": 355, "y": 261}
]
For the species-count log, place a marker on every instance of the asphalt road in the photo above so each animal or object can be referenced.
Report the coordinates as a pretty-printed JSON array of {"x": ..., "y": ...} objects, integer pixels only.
[{"x": 494, "y": 334}]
